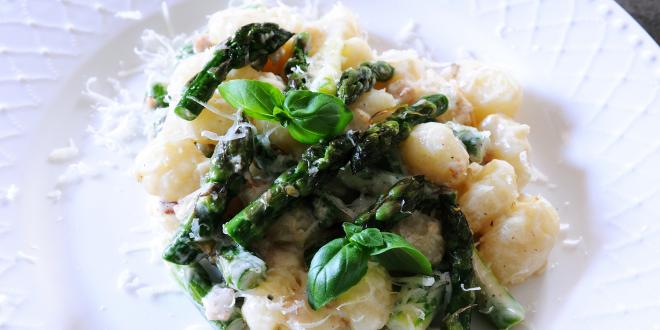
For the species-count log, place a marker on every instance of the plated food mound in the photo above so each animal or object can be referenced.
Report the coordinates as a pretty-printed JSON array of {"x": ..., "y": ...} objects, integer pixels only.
[{"x": 305, "y": 181}]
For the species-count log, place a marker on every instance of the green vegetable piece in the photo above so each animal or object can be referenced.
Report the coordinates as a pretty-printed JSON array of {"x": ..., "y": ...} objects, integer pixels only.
[
  {"x": 197, "y": 284},
  {"x": 369, "y": 238},
  {"x": 458, "y": 250},
  {"x": 241, "y": 269},
  {"x": 335, "y": 268},
  {"x": 312, "y": 116},
  {"x": 351, "y": 229},
  {"x": 419, "y": 299},
  {"x": 251, "y": 43},
  {"x": 158, "y": 93},
  {"x": 256, "y": 98},
  {"x": 295, "y": 67},
  {"x": 225, "y": 176},
  {"x": 355, "y": 82},
  {"x": 399, "y": 256},
  {"x": 400, "y": 200},
  {"x": 475, "y": 141},
  {"x": 494, "y": 300}
]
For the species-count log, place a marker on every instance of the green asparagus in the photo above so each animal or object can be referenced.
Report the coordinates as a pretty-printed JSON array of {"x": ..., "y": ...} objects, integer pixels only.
[
  {"x": 458, "y": 252},
  {"x": 355, "y": 82},
  {"x": 475, "y": 141},
  {"x": 196, "y": 282},
  {"x": 405, "y": 196},
  {"x": 419, "y": 299},
  {"x": 241, "y": 269},
  {"x": 322, "y": 161},
  {"x": 493, "y": 299},
  {"x": 229, "y": 161},
  {"x": 251, "y": 43},
  {"x": 295, "y": 67}
]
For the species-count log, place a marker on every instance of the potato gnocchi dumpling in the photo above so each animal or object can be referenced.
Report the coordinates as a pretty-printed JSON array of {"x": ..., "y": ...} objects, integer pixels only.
[
  {"x": 489, "y": 89},
  {"x": 170, "y": 169},
  {"x": 508, "y": 141},
  {"x": 432, "y": 150},
  {"x": 518, "y": 244},
  {"x": 490, "y": 191},
  {"x": 356, "y": 50}
]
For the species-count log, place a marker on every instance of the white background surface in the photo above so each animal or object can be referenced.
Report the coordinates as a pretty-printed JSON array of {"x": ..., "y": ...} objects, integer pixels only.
[{"x": 591, "y": 77}]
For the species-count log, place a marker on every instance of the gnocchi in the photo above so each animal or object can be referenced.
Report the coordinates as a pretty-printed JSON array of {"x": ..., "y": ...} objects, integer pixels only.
[
  {"x": 519, "y": 243},
  {"x": 433, "y": 151},
  {"x": 508, "y": 141},
  {"x": 490, "y": 191},
  {"x": 489, "y": 89},
  {"x": 170, "y": 169}
]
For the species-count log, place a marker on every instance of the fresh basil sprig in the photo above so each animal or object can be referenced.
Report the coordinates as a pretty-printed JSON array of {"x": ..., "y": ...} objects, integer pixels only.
[
  {"x": 309, "y": 116},
  {"x": 341, "y": 263}
]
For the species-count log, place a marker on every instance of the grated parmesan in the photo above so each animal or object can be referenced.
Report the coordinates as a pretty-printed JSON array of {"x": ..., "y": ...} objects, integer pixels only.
[
  {"x": 9, "y": 194},
  {"x": 129, "y": 14},
  {"x": 64, "y": 154}
]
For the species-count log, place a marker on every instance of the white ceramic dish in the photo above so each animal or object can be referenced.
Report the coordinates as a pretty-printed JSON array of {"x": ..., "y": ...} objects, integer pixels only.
[{"x": 591, "y": 77}]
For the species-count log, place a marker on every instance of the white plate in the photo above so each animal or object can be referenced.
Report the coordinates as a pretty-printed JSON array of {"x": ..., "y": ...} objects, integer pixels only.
[{"x": 591, "y": 77}]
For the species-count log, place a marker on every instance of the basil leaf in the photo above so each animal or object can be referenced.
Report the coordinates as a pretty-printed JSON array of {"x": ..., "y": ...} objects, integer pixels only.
[
  {"x": 256, "y": 98},
  {"x": 301, "y": 134},
  {"x": 399, "y": 255},
  {"x": 351, "y": 229},
  {"x": 335, "y": 268},
  {"x": 316, "y": 114},
  {"x": 370, "y": 238}
]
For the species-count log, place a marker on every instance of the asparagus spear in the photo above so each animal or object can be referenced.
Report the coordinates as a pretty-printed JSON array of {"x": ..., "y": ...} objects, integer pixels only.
[
  {"x": 355, "y": 82},
  {"x": 322, "y": 161},
  {"x": 396, "y": 128},
  {"x": 295, "y": 67},
  {"x": 494, "y": 300},
  {"x": 458, "y": 252},
  {"x": 196, "y": 282},
  {"x": 229, "y": 161},
  {"x": 405, "y": 196},
  {"x": 418, "y": 301},
  {"x": 475, "y": 141},
  {"x": 241, "y": 269},
  {"x": 250, "y": 44}
]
